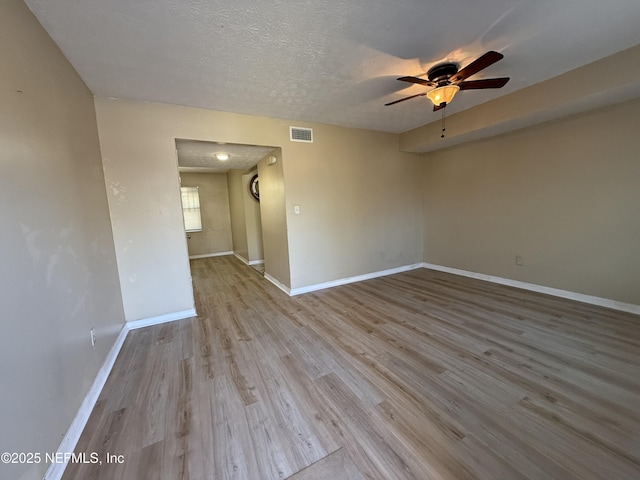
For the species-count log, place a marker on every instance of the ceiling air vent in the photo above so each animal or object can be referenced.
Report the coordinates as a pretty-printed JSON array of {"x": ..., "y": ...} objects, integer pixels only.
[{"x": 299, "y": 134}]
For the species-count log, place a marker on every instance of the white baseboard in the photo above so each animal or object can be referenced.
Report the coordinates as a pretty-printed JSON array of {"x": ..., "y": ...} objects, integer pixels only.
[
  {"x": 245, "y": 261},
  {"x": 168, "y": 317},
  {"x": 556, "y": 292},
  {"x": 358, "y": 278},
  {"x": 207, "y": 255},
  {"x": 278, "y": 284},
  {"x": 241, "y": 258},
  {"x": 70, "y": 440}
]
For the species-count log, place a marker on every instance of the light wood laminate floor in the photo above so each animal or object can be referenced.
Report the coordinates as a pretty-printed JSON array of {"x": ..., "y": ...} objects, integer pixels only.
[{"x": 419, "y": 375}]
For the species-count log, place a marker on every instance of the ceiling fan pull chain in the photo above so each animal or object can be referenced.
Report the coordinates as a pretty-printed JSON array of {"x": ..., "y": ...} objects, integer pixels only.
[{"x": 443, "y": 129}]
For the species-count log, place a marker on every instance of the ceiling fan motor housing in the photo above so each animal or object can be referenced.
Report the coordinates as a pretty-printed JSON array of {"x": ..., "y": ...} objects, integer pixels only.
[
  {"x": 447, "y": 78},
  {"x": 442, "y": 72}
]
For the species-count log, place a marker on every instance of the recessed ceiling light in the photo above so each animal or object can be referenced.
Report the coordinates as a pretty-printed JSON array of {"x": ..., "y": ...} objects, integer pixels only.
[{"x": 222, "y": 156}]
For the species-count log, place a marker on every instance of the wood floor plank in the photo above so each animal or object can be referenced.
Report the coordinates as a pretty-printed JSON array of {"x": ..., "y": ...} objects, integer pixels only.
[
  {"x": 233, "y": 453},
  {"x": 391, "y": 461},
  {"x": 335, "y": 466},
  {"x": 419, "y": 375}
]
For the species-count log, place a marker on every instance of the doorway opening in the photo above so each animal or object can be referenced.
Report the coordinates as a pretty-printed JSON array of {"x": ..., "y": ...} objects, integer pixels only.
[{"x": 226, "y": 178}]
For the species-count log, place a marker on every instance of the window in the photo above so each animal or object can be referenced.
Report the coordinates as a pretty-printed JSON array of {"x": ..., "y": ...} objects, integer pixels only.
[{"x": 191, "y": 209}]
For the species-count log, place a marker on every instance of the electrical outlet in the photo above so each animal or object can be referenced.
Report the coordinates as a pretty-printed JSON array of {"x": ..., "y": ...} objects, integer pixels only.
[
  {"x": 519, "y": 260},
  {"x": 92, "y": 332}
]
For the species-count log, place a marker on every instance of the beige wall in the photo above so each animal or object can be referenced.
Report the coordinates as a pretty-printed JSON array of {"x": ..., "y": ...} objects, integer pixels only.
[
  {"x": 245, "y": 217},
  {"x": 273, "y": 215},
  {"x": 253, "y": 220},
  {"x": 236, "y": 203},
  {"x": 360, "y": 199},
  {"x": 138, "y": 148},
  {"x": 215, "y": 236},
  {"x": 57, "y": 254},
  {"x": 360, "y": 205},
  {"x": 563, "y": 195}
]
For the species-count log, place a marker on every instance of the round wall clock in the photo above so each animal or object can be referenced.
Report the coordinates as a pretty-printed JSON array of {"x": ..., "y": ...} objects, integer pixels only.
[{"x": 254, "y": 188}]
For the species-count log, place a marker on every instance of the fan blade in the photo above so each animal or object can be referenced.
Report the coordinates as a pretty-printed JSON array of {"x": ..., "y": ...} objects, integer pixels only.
[
  {"x": 406, "y": 98},
  {"x": 474, "y": 67},
  {"x": 486, "y": 83},
  {"x": 420, "y": 81}
]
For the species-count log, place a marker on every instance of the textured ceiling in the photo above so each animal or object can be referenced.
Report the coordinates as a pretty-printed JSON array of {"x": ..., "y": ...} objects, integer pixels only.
[
  {"x": 332, "y": 62},
  {"x": 197, "y": 156}
]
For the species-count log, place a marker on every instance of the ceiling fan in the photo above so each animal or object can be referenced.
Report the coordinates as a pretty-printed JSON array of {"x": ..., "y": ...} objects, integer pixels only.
[{"x": 448, "y": 80}]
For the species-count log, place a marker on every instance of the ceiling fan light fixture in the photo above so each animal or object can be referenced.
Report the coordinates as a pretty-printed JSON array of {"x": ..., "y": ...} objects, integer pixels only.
[
  {"x": 443, "y": 94},
  {"x": 222, "y": 156}
]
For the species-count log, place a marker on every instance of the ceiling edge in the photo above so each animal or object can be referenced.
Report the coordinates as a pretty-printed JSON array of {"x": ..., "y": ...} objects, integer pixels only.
[{"x": 591, "y": 86}]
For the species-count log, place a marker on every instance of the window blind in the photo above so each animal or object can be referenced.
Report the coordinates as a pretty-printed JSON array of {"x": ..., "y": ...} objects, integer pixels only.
[{"x": 191, "y": 209}]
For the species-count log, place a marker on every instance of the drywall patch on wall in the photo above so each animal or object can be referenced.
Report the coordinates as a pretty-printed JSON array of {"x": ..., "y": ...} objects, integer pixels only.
[
  {"x": 118, "y": 191},
  {"x": 31, "y": 241}
]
